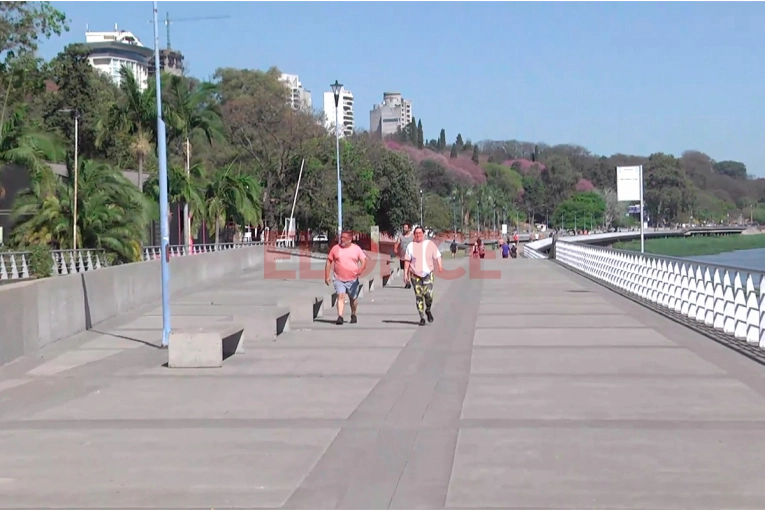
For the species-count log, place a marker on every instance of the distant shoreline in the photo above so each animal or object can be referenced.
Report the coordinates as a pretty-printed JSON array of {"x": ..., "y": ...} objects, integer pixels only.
[{"x": 696, "y": 245}]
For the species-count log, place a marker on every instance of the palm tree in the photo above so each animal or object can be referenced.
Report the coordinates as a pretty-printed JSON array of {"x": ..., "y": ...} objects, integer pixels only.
[
  {"x": 191, "y": 111},
  {"x": 136, "y": 113},
  {"x": 181, "y": 188},
  {"x": 112, "y": 213},
  {"x": 30, "y": 147},
  {"x": 233, "y": 194}
]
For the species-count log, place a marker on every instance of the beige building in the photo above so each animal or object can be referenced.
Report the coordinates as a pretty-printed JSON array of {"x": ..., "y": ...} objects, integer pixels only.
[{"x": 392, "y": 114}]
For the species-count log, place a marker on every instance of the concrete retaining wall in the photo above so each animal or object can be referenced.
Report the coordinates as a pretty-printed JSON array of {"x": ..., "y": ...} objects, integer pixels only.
[{"x": 36, "y": 313}]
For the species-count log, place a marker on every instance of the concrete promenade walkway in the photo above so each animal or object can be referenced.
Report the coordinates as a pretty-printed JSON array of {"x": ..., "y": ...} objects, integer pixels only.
[{"x": 540, "y": 390}]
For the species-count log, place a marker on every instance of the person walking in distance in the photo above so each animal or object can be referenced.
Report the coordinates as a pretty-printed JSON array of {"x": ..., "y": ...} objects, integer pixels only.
[
  {"x": 346, "y": 257},
  {"x": 402, "y": 241},
  {"x": 421, "y": 258}
]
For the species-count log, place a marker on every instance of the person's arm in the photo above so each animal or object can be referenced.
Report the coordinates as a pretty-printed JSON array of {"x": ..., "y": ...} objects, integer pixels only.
[
  {"x": 407, "y": 262},
  {"x": 397, "y": 245},
  {"x": 364, "y": 261},
  {"x": 438, "y": 260},
  {"x": 328, "y": 266}
]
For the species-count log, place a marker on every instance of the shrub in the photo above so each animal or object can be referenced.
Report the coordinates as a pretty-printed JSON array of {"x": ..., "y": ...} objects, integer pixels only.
[{"x": 41, "y": 261}]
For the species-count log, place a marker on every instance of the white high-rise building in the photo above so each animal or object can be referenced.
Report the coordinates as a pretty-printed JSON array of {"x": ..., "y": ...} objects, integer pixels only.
[
  {"x": 300, "y": 98},
  {"x": 392, "y": 114},
  {"x": 345, "y": 105},
  {"x": 110, "y": 51}
]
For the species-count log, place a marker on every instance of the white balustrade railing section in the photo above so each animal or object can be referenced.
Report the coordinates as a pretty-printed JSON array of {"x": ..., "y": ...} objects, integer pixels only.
[
  {"x": 729, "y": 300},
  {"x": 531, "y": 253},
  {"x": 154, "y": 252},
  {"x": 16, "y": 265}
]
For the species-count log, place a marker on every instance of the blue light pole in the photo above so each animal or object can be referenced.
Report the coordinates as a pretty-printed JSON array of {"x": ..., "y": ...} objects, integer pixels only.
[
  {"x": 163, "y": 220},
  {"x": 336, "y": 88}
]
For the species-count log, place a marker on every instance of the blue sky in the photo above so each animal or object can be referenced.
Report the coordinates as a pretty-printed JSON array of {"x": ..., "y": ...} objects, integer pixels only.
[{"x": 614, "y": 77}]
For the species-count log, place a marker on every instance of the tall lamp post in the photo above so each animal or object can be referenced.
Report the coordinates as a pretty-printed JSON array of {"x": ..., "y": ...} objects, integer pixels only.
[
  {"x": 422, "y": 223},
  {"x": 336, "y": 88},
  {"x": 163, "y": 207},
  {"x": 76, "y": 116},
  {"x": 454, "y": 213}
]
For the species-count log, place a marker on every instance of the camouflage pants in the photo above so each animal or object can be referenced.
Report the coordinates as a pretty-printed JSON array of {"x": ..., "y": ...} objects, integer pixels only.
[{"x": 423, "y": 293}]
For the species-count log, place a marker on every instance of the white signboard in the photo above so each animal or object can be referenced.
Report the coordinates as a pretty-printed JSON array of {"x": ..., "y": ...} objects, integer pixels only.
[
  {"x": 628, "y": 183},
  {"x": 504, "y": 229}
]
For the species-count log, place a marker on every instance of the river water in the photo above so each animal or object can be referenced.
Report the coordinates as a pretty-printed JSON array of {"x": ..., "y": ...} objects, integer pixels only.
[{"x": 753, "y": 260}]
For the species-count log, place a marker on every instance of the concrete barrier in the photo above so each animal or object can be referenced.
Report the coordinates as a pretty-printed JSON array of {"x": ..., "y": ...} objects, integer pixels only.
[
  {"x": 204, "y": 347},
  {"x": 34, "y": 314}
]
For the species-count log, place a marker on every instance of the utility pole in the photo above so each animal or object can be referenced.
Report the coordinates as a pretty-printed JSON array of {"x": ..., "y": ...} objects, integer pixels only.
[{"x": 76, "y": 116}]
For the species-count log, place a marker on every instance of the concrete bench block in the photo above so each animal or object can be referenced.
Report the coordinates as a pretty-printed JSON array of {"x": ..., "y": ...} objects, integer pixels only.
[
  {"x": 306, "y": 308},
  {"x": 265, "y": 324},
  {"x": 204, "y": 347}
]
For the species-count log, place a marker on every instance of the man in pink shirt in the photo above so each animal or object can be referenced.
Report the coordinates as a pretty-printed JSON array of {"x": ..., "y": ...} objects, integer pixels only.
[{"x": 346, "y": 257}]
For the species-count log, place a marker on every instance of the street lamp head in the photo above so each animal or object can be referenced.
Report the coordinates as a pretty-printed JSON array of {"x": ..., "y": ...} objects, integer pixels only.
[
  {"x": 336, "y": 88},
  {"x": 74, "y": 112}
]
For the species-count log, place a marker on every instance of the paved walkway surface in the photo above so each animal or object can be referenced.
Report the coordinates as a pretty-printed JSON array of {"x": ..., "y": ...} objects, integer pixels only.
[{"x": 539, "y": 390}]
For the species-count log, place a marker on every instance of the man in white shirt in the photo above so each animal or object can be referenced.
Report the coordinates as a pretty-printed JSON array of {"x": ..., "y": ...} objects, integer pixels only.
[{"x": 421, "y": 258}]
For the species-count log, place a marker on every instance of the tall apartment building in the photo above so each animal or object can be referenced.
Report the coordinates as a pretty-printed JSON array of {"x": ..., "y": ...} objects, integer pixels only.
[
  {"x": 345, "y": 107},
  {"x": 110, "y": 51},
  {"x": 392, "y": 114},
  {"x": 299, "y": 98}
]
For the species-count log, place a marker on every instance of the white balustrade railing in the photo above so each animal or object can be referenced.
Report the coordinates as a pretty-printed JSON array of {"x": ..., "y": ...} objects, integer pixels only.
[
  {"x": 155, "y": 252},
  {"x": 16, "y": 265},
  {"x": 729, "y": 300},
  {"x": 531, "y": 253}
]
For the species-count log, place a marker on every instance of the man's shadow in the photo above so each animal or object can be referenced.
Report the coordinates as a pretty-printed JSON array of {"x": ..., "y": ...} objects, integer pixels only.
[{"x": 414, "y": 323}]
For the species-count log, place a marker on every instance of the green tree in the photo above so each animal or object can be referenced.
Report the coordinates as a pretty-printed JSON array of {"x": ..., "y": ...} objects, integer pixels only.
[
  {"x": 182, "y": 188},
  {"x": 231, "y": 194},
  {"x": 474, "y": 158},
  {"x": 454, "y": 152},
  {"x": 82, "y": 89},
  {"x": 559, "y": 179},
  {"x": 24, "y": 144},
  {"x": 615, "y": 211},
  {"x": 24, "y": 24},
  {"x": 459, "y": 143},
  {"x": 111, "y": 214},
  {"x": 506, "y": 180},
  {"x": 535, "y": 194},
  {"x": 734, "y": 169},
  {"x": 191, "y": 111},
  {"x": 438, "y": 212},
  {"x": 135, "y": 113},
  {"x": 582, "y": 211},
  {"x": 399, "y": 195},
  {"x": 420, "y": 135},
  {"x": 442, "y": 140},
  {"x": 412, "y": 133},
  {"x": 269, "y": 137},
  {"x": 22, "y": 81},
  {"x": 667, "y": 189},
  {"x": 434, "y": 178}
]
